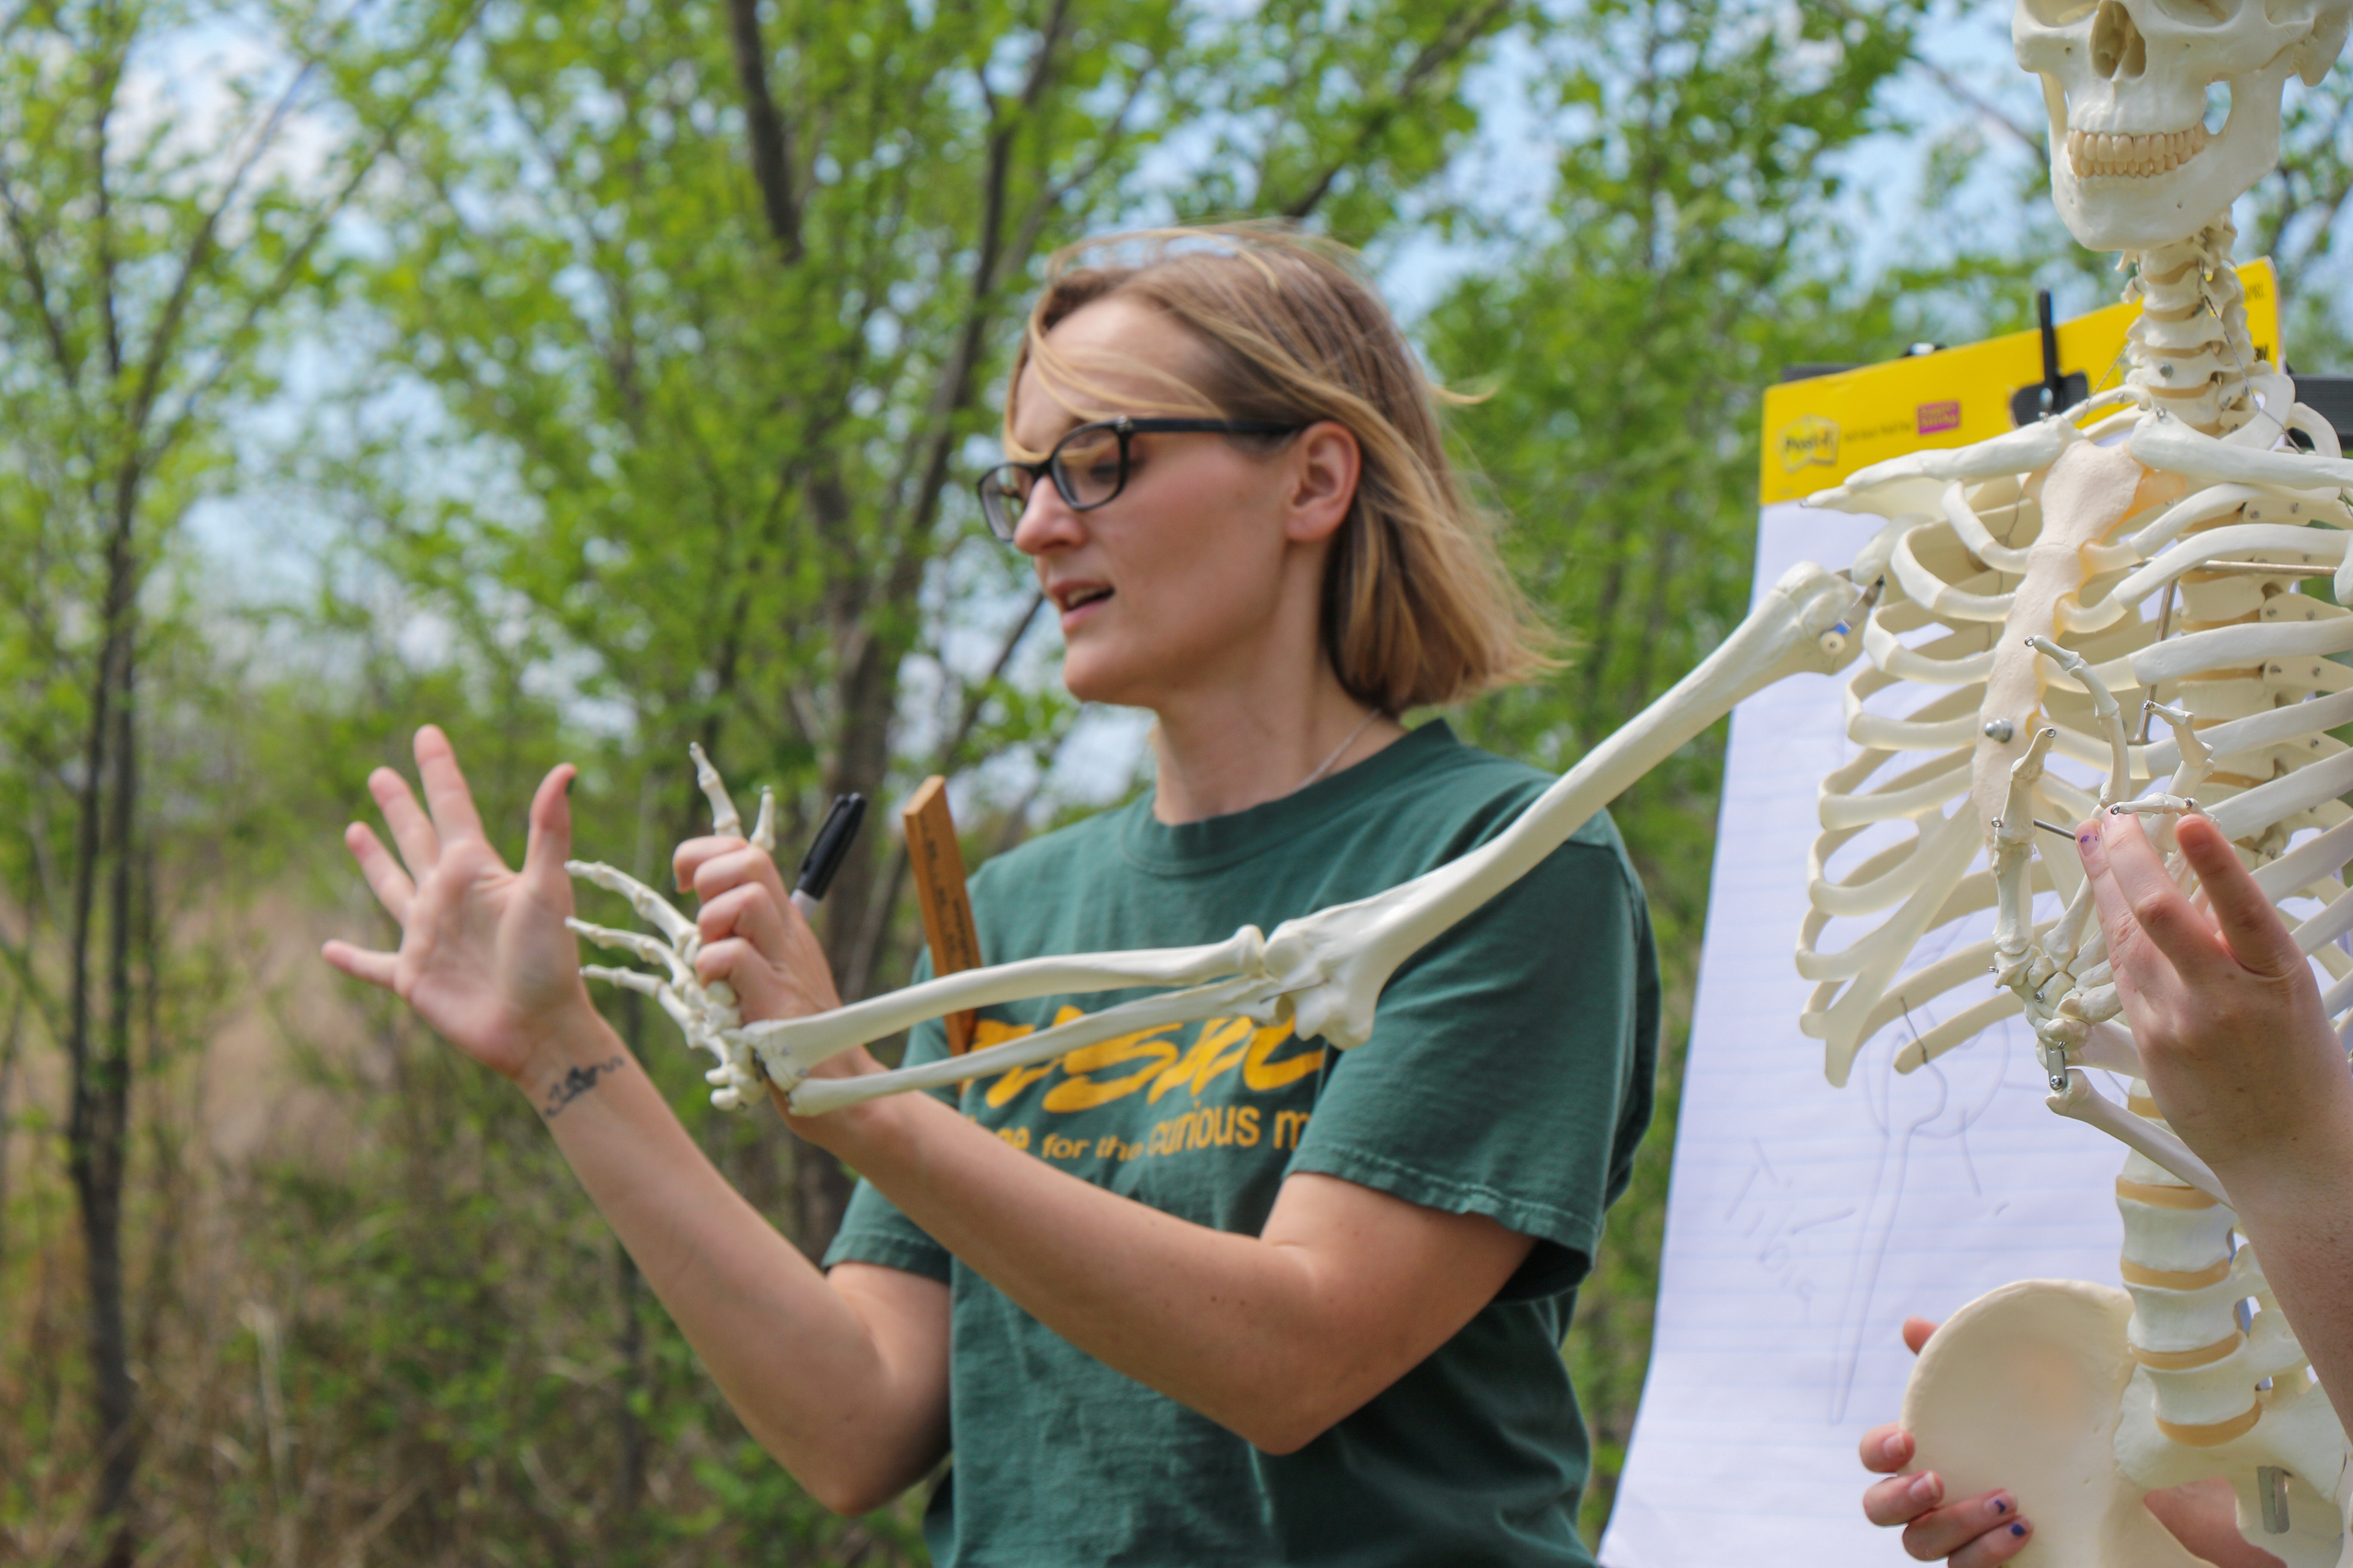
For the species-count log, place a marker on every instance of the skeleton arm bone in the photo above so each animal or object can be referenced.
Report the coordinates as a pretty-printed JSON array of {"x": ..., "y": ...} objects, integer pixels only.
[
  {"x": 1345, "y": 954},
  {"x": 2081, "y": 1103},
  {"x": 1248, "y": 994},
  {"x": 1330, "y": 966},
  {"x": 791, "y": 1046}
]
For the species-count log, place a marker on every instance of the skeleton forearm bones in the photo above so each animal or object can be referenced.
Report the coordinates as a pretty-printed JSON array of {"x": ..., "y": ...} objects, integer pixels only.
[{"x": 1322, "y": 972}]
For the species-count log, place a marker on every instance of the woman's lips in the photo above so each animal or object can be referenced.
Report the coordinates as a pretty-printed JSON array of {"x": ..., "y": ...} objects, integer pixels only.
[{"x": 1084, "y": 608}]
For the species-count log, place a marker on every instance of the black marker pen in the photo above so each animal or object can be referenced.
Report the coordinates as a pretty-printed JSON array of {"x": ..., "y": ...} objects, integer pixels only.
[{"x": 827, "y": 851}]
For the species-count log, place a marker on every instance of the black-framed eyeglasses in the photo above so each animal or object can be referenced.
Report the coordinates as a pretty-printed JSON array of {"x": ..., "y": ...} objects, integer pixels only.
[{"x": 1089, "y": 465}]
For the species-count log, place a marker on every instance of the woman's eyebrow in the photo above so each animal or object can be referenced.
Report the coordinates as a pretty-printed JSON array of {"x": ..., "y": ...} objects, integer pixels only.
[{"x": 1069, "y": 423}]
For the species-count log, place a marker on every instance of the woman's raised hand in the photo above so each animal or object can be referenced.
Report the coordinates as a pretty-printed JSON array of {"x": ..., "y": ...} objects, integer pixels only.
[{"x": 484, "y": 956}]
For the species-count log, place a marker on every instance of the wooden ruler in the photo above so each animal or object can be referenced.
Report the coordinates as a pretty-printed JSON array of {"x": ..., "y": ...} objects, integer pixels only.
[{"x": 938, "y": 865}]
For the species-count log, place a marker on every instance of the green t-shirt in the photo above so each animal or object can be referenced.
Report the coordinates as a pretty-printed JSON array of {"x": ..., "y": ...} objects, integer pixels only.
[{"x": 1508, "y": 1074}]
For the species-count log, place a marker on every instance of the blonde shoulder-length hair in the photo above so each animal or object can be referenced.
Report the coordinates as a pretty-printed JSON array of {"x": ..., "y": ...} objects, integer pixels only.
[{"x": 1418, "y": 608}]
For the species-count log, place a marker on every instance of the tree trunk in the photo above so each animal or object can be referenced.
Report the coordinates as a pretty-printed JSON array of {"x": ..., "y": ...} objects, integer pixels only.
[
  {"x": 7, "y": 1088},
  {"x": 98, "y": 1121}
]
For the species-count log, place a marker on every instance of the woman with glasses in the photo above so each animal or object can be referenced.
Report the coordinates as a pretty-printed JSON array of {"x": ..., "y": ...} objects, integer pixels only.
[{"x": 1207, "y": 1294}]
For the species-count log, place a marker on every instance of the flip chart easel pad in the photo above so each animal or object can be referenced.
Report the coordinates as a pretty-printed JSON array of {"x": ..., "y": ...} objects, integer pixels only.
[{"x": 1805, "y": 1222}]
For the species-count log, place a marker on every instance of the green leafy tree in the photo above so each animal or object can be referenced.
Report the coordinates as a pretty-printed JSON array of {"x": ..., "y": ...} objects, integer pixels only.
[{"x": 146, "y": 243}]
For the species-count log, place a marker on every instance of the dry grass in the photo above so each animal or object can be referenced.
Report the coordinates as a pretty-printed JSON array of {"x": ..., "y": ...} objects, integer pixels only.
[{"x": 375, "y": 1321}]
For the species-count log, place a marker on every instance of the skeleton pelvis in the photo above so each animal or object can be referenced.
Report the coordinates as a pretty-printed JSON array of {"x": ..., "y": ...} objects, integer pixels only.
[{"x": 2023, "y": 1389}]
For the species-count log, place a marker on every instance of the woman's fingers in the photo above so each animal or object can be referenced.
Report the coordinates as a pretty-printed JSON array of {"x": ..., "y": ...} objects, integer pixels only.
[
  {"x": 2259, "y": 939},
  {"x": 551, "y": 839},
  {"x": 2004, "y": 1540},
  {"x": 391, "y": 885},
  {"x": 412, "y": 830},
  {"x": 445, "y": 795},
  {"x": 361, "y": 964},
  {"x": 715, "y": 866},
  {"x": 1885, "y": 1450},
  {"x": 688, "y": 860},
  {"x": 746, "y": 911},
  {"x": 1903, "y": 1498},
  {"x": 2134, "y": 893},
  {"x": 1950, "y": 1531}
]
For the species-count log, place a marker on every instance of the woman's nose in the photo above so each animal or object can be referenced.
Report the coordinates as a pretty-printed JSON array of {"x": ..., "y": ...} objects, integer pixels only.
[{"x": 1047, "y": 522}]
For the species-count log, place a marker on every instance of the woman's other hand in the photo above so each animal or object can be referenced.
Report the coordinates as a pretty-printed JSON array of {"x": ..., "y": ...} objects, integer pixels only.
[
  {"x": 2237, "y": 1049},
  {"x": 753, "y": 938},
  {"x": 756, "y": 940},
  {"x": 484, "y": 954},
  {"x": 1972, "y": 1533}
]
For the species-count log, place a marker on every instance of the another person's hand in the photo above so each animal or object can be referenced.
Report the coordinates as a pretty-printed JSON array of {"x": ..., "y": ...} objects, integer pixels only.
[
  {"x": 484, "y": 955},
  {"x": 1974, "y": 1532},
  {"x": 2237, "y": 1050}
]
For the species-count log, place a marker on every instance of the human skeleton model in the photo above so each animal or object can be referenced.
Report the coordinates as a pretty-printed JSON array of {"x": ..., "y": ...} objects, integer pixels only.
[
  {"x": 2021, "y": 584},
  {"x": 2158, "y": 553}
]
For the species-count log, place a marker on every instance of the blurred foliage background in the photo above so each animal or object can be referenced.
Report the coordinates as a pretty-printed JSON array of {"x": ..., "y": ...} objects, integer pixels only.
[{"x": 595, "y": 378}]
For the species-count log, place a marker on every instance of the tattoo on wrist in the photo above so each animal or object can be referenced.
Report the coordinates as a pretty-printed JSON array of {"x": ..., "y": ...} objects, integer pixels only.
[{"x": 575, "y": 1083}]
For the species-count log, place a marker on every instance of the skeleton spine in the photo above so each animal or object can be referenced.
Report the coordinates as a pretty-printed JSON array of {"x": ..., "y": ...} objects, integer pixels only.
[
  {"x": 2189, "y": 354},
  {"x": 2186, "y": 1284}
]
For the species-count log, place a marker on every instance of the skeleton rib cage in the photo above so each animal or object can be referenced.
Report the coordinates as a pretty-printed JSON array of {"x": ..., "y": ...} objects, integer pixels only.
[{"x": 2237, "y": 646}]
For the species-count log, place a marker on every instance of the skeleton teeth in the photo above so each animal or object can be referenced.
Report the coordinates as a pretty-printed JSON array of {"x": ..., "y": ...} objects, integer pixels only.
[{"x": 2113, "y": 155}]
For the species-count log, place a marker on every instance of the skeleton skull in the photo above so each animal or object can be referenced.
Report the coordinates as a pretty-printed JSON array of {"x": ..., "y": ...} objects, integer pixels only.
[{"x": 2131, "y": 164}]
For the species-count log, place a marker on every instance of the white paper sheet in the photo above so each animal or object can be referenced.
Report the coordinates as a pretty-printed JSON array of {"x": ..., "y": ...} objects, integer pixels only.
[{"x": 1805, "y": 1222}]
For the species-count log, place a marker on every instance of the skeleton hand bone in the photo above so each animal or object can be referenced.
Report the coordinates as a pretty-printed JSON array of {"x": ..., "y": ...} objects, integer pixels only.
[{"x": 706, "y": 1013}]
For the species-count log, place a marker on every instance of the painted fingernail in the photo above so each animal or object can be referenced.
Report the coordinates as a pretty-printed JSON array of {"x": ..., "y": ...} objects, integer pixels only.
[
  {"x": 2019, "y": 1529},
  {"x": 2000, "y": 1504}
]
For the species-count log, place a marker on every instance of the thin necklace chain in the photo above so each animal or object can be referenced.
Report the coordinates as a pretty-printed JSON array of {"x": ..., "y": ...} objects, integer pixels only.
[{"x": 1337, "y": 751}]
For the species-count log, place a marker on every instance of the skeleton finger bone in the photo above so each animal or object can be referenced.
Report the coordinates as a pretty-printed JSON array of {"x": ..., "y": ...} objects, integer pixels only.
[
  {"x": 646, "y": 984},
  {"x": 652, "y": 907},
  {"x": 2103, "y": 704},
  {"x": 638, "y": 945},
  {"x": 725, "y": 821}
]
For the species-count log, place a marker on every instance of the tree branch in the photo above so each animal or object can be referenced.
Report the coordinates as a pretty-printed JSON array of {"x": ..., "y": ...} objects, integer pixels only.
[
  {"x": 771, "y": 139},
  {"x": 1462, "y": 30}
]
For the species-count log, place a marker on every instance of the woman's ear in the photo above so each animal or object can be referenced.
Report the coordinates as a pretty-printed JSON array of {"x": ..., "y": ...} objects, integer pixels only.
[{"x": 1323, "y": 465}]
